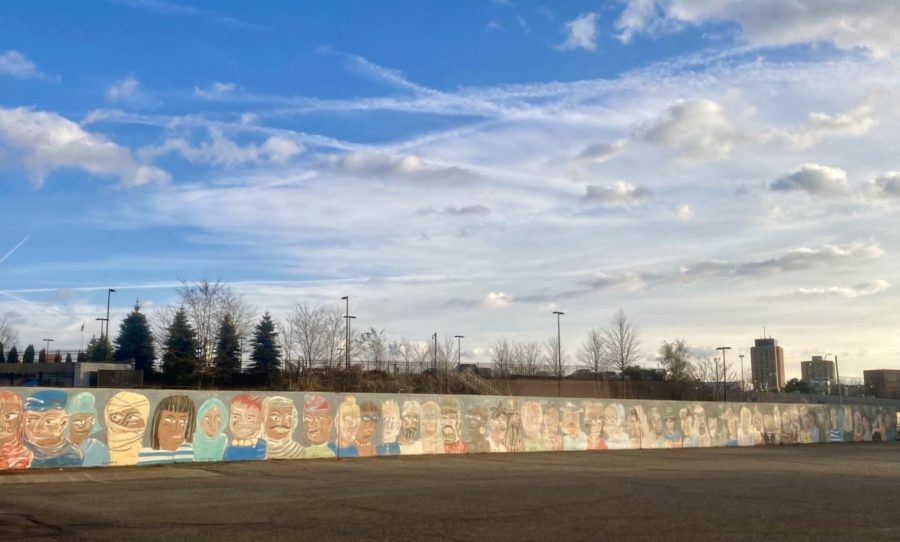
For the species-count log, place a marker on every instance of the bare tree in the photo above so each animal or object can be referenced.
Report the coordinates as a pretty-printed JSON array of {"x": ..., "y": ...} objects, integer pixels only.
[
  {"x": 206, "y": 303},
  {"x": 288, "y": 338},
  {"x": 373, "y": 347},
  {"x": 308, "y": 326},
  {"x": 160, "y": 322},
  {"x": 447, "y": 352},
  {"x": 527, "y": 356},
  {"x": 8, "y": 334},
  {"x": 591, "y": 352},
  {"x": 675, "y": 358},
  {"x": 422, "y": 352},
  {"x": 711, "y": 371},
  {"x": 622, "y": 341},
  {"x": 502, "y": 356},
  {"x": 409, "y": 355},
  {"x": 556, "y": 359}
]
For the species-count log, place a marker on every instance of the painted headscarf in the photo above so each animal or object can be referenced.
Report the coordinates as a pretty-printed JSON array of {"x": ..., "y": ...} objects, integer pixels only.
[
  {"x": 287, "y": 447},
  {"x": 84, "y": 403},
  {"x": 14, "y": 454},
  {"x": 207, "y": 448},
  {"x": 124, "y": 442}
]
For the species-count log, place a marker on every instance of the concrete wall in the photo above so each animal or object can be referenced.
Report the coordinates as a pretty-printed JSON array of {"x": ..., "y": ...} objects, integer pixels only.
[{"x": 50, "y": 428}]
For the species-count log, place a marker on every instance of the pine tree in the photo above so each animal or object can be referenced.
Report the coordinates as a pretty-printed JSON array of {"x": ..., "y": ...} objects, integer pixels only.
[
  {"x": 42, "y": 356},
  {"x": 266, "y": 354},
  {"x": 69, "y": 357},
  {"x": 227, "y": 355},
  {"x": 82, "y": 357},
  {"x": 2, "y": 354},
  {"x": 12, "y": 356},
  {"x": 98, "y": 350},
  {"x": 28, "y": 356},
  {"x": 135, "y": 342},
  {"x": 180, "y": 361},
  {"x": 57, "y": 357}
]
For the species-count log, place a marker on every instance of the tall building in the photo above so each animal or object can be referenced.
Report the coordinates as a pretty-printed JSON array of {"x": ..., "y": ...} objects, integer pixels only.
[
  {"x": 819, "y": 373},
  {"x": 882, "y": 383},
  {"x": 767, "y": 365}
]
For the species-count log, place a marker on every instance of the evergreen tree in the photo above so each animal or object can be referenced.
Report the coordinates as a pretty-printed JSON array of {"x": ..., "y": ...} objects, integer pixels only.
[
  {"x": 135, "y": 342},
  {"x": 98, "y": 350},
  {"x": 42, "y": 356},
  {"x": 266, "y": 354},
  {"x": 227, "y": 355},
  {"x": 69, "y": 357},
  {"x": 2, "y": 354},
  {"x": 12, "y": 356},
  {"x": 82, "y": 357},
  {"x": 180, "y": 361},
  {"x": 57, "y": 357},
  {"x": 28, "y": 356}
]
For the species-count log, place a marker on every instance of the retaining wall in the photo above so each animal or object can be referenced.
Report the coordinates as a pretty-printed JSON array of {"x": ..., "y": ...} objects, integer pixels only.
[{"x": 53, "y": 428}]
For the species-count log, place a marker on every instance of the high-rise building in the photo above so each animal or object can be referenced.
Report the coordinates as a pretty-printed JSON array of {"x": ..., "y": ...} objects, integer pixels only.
[
  {"x": 767, "y": 365},
  {"x": 819, "y": 374}
]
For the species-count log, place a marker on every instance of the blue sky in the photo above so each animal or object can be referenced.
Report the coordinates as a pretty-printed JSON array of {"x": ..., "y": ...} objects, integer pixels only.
[{"x": 464, "y": 167}]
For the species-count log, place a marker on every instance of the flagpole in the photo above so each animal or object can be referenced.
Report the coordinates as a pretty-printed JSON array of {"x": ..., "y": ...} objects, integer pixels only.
[{"x": 82, "y": 336}]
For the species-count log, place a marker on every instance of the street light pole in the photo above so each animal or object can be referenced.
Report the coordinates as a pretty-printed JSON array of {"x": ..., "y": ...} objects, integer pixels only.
[
  {"x": 558, "y": 355},
  {"x": 724, "y": 373},
  {"x": 459, "y": 339},
  {"x": 347, "y": 340},
  {"x": 109, "y": 292},
  {"x": 47, "y": 350},
  {"x": 743, "y": 387}
]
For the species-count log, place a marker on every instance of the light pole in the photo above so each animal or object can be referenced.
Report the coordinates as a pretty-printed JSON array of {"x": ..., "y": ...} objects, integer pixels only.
[
  {"x": 558, "y": 355},
  {"x": 724, "y": 373},
  {"x": 347, "y": 341},
  {"x": 434, "y": 353},
  {"x": 837, "y": 376},
  {"x": 459, "y": 339},
  {"x": 102, "y": 341},
  {"x": 109, "y": 292},
  {"x": 47, "y": 350},
  {"x": 743, "y": 387}
]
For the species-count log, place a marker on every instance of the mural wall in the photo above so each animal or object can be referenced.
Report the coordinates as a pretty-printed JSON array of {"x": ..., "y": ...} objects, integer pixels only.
[{"x": 51, "y": 428}]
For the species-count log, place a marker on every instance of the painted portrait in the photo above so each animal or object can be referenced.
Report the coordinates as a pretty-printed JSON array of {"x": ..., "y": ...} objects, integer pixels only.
[
  {"x": 317, "y": 424},
  {"x": 45, "y": 431},
  {"x": 83, "y": 425},
  {"x": 209, "y": 439},
  {"x": 13, "y": 452},
  {"x": 125, "y": 417},
  {"x": 410, "y": 440},
  {"x": 171, "y": 431},
  {"x": 281, "y": 421},
  {"x": 245, "y": 424},
  {"x": 391, "y": 425}
]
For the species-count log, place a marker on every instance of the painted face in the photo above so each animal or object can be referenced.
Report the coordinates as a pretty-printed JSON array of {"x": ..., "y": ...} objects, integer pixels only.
[
  {"x": 368, "y": 425},
  {"x": 571, "y": 422},
  {"x": 212, "y": 422},
  {"x": 430, "y": 421},
  {"x": 129, "y": 419},
  {"x": 656, "y": 421},
  {"x": 450, "y": 426},
  {"x": 46, "y": 429},
  {"x": 634, "y": 425},
  {"x": 532, "y": 419},
  {"x": 410, "y": 426},
  {"x": 670, "y": 425},
  {"x": 687, "y": 423},
  {"x": 390, "y": 426},
  {"x": 712, "y": 425},
  {"x": 551, "y": 421},
  {"x": 10, "y": 421},
  {"x": 593, "y": 418},
  {"x": 349, "y": 426},
  {"x": 172, "y": 429},
  {"x": 81, "y": 426},
  {"x": 475, "y": 424},
  {"x": 611, "y": 414},
  {"x": 317, "y": 427},
  {"x": 245, "y": 421},
  {"x": 499, "y": 427},
  {"x": 279, "y": 422}
]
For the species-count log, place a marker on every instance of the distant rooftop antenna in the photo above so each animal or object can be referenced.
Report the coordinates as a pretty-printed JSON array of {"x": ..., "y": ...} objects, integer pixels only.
[{"x": 764, "y": 333}]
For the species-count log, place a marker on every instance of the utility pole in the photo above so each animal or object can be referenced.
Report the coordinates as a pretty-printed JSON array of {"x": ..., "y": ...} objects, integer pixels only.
[
  {"x": 109, "y": 292},
  {"x": 724, "y": 373},
  {"x": 743, "y": 387},
  {"x": 558, "y": 355},
  {"x": 459, "y": 339}
]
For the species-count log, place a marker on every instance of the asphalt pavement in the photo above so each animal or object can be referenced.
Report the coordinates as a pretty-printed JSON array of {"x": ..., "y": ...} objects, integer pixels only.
[{"x": 813, "y": 492}]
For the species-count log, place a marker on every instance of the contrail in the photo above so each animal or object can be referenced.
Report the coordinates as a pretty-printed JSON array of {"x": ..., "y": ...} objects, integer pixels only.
[{"x": 15, "y": 248}]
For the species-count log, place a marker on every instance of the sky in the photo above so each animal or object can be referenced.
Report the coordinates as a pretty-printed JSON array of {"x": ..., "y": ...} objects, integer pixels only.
[{"x": 718, "y": 169}]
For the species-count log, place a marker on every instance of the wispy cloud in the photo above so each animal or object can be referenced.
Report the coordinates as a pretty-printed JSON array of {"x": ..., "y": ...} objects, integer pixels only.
[
  {"x": 15, "y": 64},
  {"x": 13, "y": 249},
  {"x": 844, "y": 292},
  {"x": 581, "y": 33},
  {"x": 173, "y": 9}
]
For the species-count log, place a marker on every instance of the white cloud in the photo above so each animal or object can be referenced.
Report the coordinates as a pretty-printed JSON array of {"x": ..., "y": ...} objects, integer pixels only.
[
  {"x": 856, "y": 122},
  {"x": 466, "y": 210},
  {"x": 582, "y": 33},
  {"x": 815, "y": 180},
  {"x": 847, "y": 24},
  {"x": 885, "y": 186},
  {"x": 684, "y": 212},
  {"x": 696, "y": 129},
  {"x": 601, "y": 152},
  {"x": 408, "y": 168},
  {"x": 215, "y": 90},
  {"x": 221, "y": 151},
  {"x": 15, "y": 64},
  {"x": 41, "y": 142},
  {"x": 494, "y": 26},
  {"x": 860, "y": 290},
  {"x": 123, "y": 90},
  {"x": 619, "y": 194},
  {"x": 495, "y": 300}
]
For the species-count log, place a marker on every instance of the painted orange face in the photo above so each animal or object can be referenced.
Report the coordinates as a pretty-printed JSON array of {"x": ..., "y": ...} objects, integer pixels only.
[
  {"x": 245, "y": 421},
  {"x": 368, "y": 426},
  {"x": 81, "y": 426},
  {"x": 172, "y": 429},
  {"x": 317, "y": 427},
  {"x": 279, "y": 422},
  {"x": 10, "y": 421},
  {"x": 46, "y": 429}
]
